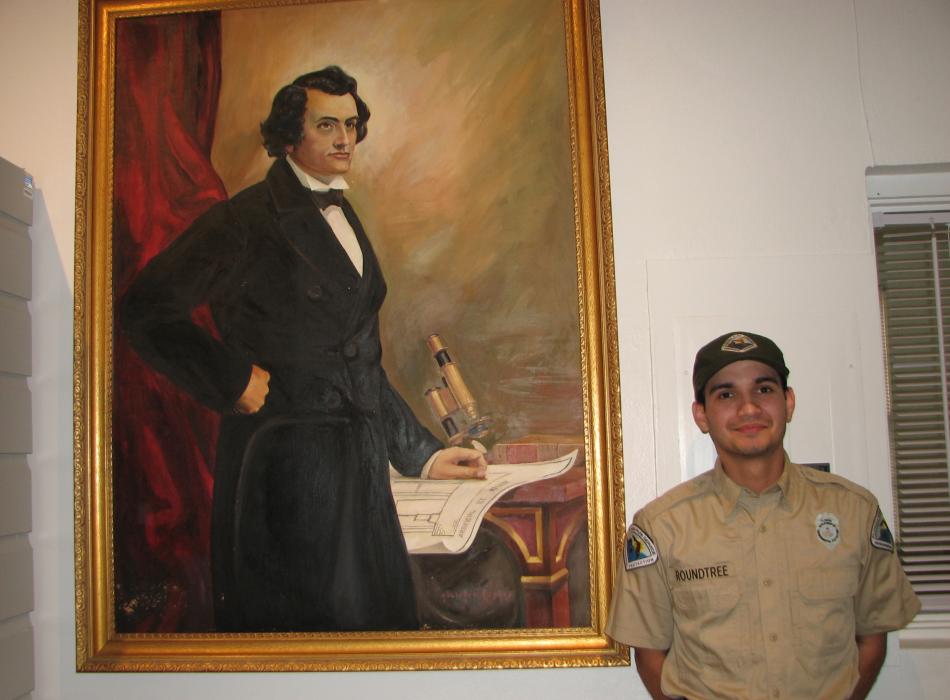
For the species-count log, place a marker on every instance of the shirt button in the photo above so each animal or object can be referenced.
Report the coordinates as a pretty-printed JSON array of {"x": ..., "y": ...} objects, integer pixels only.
[
  {"x": 767, "y": 582},
  {"x": 762, "y": 528},
  {"x": 773, "y": 637},
  {"x": 776, "y": 693}
]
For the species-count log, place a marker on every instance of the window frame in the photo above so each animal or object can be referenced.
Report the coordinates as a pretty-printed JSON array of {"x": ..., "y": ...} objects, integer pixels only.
[{"x": 909, "y": 195}]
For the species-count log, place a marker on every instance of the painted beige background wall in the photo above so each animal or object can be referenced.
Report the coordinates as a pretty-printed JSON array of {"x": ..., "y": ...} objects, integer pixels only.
[
  {"x": 463, "y": 183},
  {"x": 738, "y": 138}
]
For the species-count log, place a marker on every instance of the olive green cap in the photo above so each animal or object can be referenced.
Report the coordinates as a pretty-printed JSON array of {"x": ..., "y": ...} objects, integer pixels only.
[{"x": 733, "y": 347}]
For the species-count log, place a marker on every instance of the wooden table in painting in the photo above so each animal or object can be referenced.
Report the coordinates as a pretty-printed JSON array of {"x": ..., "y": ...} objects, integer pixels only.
[
  {"x": 540, "y": 524},
  {"x": 529, "y": 565}
]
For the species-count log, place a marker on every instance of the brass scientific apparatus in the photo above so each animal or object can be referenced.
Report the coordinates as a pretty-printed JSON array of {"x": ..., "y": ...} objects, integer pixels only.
[{"x": 453, "y": 404}]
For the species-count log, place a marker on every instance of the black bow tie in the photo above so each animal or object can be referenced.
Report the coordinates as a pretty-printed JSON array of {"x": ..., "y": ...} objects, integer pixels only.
[{"x": 327, "y": 198}]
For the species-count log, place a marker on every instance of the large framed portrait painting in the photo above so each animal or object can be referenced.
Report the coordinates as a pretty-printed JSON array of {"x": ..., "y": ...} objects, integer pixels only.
[{"x": 346, "y": 377}]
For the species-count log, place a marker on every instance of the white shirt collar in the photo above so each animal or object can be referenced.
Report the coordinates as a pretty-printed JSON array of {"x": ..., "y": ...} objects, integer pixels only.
[{"x": 312, "y": 183}]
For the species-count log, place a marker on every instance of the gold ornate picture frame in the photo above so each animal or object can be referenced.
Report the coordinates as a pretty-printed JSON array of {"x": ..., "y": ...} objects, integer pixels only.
[{"x": 483, "y": 186}]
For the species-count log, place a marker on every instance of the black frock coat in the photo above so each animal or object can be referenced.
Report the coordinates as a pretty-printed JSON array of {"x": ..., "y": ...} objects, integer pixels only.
[{"x": 304, "y": 528}]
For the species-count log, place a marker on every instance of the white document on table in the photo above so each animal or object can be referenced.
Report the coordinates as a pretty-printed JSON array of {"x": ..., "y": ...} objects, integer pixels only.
[{"x": 443, "y": 516}]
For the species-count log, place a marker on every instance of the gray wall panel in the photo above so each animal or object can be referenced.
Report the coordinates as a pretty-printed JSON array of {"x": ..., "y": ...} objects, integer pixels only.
[
  {"x": 15, "y": 501},
  {"x": 16, "y": 659},
  {"x": 16, "y": 583},
  {"x": 16, "y": 192},
  {"x": 16, "y": 424},
  {"x": 15, "y": 336},
  {"x": 15, "y": 250}
]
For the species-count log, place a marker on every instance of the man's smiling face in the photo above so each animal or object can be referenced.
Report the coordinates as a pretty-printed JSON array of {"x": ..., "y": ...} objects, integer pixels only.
[
  {"x": 329, "y": 135},
  {"x": 746, "y": 410}
]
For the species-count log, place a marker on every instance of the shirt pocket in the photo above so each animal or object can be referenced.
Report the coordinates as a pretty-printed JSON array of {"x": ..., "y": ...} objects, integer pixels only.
[
  {"x": 713, "y": 620},
  {"x": 823, "y": 615}
]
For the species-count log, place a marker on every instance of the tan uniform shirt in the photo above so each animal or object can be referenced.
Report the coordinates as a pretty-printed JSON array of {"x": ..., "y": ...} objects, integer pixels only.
[{"x": 760, "y": 596}]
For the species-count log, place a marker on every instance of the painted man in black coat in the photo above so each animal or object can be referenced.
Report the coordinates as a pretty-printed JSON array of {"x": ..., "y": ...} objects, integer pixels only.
[{"x": 304, "y": 528}]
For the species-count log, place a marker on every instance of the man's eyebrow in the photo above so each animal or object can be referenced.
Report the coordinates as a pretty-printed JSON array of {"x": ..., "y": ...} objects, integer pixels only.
[
  {"x": 331, "y": 118},
  {"x": 721, "y": 385},
  {"x": 764, "y": 379}
]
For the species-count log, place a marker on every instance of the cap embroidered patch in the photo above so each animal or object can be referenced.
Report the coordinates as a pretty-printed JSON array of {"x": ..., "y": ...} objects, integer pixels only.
[
  {"x": 638, "y": 549},
  {"x": 738, "y": 342},
  {"x": 881, "y": 536},
  {"x": 826, "y": 524}
]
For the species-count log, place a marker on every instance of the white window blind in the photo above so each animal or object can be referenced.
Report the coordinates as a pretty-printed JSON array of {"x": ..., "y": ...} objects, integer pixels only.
[{"x": 913, "y": 263}]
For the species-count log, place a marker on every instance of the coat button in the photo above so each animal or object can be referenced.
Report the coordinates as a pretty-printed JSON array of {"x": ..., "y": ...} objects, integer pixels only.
[
  {"x": 315, "y": 293},
  {"x": 332, "y": 399},
  {"x": 351, "y": 350}
]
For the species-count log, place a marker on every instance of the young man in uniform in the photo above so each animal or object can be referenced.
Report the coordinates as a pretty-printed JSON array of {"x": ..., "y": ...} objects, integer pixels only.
[{"x": 759, "y": 578}]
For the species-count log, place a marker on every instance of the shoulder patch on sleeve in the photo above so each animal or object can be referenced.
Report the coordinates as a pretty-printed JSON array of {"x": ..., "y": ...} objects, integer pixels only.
[
  {"x": 638, "y": 549},
  {"x": 881, "y": 536}
]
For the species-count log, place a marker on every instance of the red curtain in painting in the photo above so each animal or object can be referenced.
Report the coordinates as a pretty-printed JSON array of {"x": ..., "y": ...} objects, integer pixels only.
[{"x": 167, "y": 79}]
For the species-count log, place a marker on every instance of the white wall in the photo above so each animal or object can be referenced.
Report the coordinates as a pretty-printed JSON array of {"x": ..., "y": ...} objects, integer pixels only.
[{"x": 739, "y": 135}]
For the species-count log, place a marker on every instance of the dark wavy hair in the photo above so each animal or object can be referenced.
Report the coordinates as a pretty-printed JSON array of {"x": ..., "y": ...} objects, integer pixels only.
[{"x": 284, "y": 125}]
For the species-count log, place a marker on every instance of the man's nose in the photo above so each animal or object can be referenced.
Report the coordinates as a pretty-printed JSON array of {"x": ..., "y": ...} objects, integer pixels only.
[
  {"x": 342, "y": 138},
  {"x": 749, "y": 405}
]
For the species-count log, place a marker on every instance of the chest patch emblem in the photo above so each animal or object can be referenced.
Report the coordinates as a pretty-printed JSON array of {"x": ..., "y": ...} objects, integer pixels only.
[
  {"x": 881, "y": 536},
  {"x": 826, "y": 525},
  {"x": 638, "y": 549}
]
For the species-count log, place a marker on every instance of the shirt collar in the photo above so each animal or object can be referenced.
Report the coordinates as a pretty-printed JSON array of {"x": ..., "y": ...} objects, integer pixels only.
[
  {"x": 791, "y": 485},
  {"x": 312, "y": 183},
  {"x": 729, "y": 491}
]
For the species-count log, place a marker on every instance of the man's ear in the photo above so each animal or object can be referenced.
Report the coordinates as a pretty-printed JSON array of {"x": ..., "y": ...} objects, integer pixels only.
[
  {"x": 699, "y": 415},
  {"x": 789, "y": 404}
]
